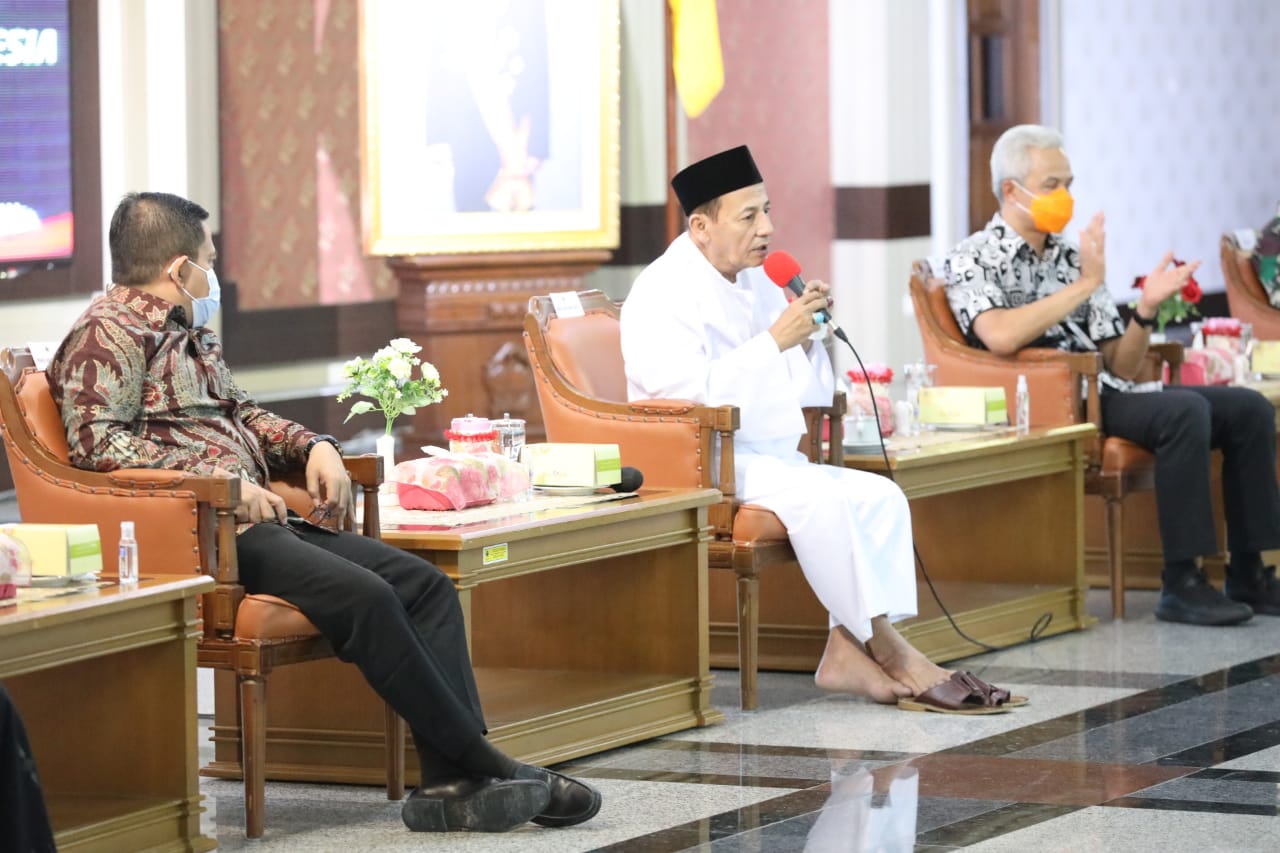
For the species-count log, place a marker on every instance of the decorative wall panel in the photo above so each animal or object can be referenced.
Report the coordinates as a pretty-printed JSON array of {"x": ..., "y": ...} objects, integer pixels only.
[{"x": 289, "y": 132}]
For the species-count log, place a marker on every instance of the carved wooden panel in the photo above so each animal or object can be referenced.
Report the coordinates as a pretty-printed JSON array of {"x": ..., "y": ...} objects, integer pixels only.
[{"x": 467, "y": 314}]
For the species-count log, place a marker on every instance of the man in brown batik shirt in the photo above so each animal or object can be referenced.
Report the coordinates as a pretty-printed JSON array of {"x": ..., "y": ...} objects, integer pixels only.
[{"x": 141, "y": 383}]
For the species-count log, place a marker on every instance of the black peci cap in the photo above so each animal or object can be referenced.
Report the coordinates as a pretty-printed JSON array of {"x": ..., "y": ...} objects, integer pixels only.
[{"x": 700, "y": 182}]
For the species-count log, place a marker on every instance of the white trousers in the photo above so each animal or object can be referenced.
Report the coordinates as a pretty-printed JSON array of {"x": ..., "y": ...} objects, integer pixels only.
[{"x": 851, "y": 532}]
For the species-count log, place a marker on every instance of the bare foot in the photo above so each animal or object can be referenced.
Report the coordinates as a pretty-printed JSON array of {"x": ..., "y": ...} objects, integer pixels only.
[
  {"x": 902, "y": 661},
  {"x": 846, "y": 668}
]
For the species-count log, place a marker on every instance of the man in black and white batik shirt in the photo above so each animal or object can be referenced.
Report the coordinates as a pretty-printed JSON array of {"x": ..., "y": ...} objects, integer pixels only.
[{"x": 1018, "y": 283}]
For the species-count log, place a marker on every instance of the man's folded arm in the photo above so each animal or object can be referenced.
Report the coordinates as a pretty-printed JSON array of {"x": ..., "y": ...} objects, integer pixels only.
[{"x": 283, "y": 441}]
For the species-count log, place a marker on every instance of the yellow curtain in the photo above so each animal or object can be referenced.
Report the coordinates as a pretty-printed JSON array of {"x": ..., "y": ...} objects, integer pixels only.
[{"x": 695, "y": 51}]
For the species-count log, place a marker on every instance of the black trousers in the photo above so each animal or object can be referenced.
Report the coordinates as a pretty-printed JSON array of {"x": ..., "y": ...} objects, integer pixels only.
[
  {"x": 1181, "y": 425},
  {"x": 24, "y": 823},
  {"x": 393, "y": 615}
]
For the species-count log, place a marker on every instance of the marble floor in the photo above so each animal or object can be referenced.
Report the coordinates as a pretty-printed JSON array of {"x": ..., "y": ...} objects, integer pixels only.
[{"x": 1139, "y": 736}]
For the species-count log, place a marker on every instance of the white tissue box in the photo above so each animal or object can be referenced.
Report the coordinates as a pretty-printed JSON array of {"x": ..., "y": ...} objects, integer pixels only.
[
  {"x": 579, "y": 465},
  {"x": 958, "y": 405},
  {"x": 60, "y": 550}
]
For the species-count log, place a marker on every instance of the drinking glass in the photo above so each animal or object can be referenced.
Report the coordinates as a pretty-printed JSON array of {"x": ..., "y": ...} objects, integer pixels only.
[
  {"x": 511, "y": 441},
  {"x": 510, "y": 435},
  {"x": 1244, "y": 359},
  {"x": 919, "y": 375}
]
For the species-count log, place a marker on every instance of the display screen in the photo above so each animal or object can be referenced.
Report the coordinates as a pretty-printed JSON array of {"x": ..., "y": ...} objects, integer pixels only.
[{"x": 35, "y": 131}]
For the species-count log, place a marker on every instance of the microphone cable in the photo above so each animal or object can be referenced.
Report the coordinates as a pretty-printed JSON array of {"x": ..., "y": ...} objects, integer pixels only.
[{"x": 1037, "y": 628}]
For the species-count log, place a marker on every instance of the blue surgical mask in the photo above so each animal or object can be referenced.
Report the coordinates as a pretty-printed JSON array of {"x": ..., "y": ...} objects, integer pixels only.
[{"x": 204, "y": 307}]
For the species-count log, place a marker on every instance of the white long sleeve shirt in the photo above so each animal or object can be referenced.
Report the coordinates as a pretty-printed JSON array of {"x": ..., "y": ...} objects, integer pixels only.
[{"x": 688, "y": 333}]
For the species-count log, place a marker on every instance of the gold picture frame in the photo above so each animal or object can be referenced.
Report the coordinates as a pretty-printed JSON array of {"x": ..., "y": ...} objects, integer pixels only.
[{"x": 489, "y": 126}]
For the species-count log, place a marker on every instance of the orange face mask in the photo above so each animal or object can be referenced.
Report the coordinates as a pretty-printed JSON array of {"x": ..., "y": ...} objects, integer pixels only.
[{"x": 1050, "y": 212}]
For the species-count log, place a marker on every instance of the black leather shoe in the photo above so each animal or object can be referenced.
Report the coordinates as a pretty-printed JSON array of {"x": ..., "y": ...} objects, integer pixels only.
[
  {"x": 474, "y": 804},
  {"x": 572, "y": 802},
  {"x": 1259, "y": 589},
  {"x": 1194, "y": 600}
]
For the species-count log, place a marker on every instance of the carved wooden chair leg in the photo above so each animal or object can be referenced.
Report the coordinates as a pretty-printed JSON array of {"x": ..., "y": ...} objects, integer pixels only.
[
  {"x": 1115, "y": 554},
  {"x": 395, "y": 754},
  {"x": 253, "y": 746},
  {"x": 748, "y": 636}
]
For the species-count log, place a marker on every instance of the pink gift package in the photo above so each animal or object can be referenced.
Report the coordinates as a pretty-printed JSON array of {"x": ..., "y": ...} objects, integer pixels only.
[
  {"x": 458, "y": 480},
  {"x": 1205, "y": 366}
]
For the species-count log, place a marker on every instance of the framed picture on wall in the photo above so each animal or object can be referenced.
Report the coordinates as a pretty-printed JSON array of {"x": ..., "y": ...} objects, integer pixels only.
[{"x": 489, "y": 125}]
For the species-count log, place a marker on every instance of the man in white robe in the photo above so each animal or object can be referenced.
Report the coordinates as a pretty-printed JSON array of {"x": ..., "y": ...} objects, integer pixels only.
[{"x": 703, "y": 323}]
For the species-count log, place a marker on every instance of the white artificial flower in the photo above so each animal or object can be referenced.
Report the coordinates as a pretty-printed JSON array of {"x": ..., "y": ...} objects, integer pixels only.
[
  {"x": 429, "y": 372},
  {"x": 384, "y": 355},
  {"x": 405, "y": 345},
  {"x": 400, "y": 368}
]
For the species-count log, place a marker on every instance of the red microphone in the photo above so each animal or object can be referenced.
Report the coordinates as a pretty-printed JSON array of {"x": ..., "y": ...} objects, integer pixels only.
[{"x": 784, "y": 271}]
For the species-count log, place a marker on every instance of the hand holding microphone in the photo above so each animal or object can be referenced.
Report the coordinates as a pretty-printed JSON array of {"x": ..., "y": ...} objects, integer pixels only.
[
  {"x": 809, "y": 307},
  {"x": 798, "y": 324}
]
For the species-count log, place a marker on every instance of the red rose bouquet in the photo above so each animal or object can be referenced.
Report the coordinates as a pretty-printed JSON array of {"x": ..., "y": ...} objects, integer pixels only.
[{"x": 1177, "y": 307}]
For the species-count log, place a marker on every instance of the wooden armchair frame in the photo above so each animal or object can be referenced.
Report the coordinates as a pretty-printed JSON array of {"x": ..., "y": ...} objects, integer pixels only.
[
  {"x": 185, "y": 523},
  {"x": 1063, "y": 389},
  {"x": 673, "y": 442}
]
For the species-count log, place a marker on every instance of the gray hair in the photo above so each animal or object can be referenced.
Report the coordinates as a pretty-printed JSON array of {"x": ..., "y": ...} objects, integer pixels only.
[{"x": 1011, "y": 157}]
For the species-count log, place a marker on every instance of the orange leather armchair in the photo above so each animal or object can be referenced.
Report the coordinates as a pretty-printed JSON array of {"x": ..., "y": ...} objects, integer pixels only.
[
  {"x": 582, "y": 389},
  {"x": 1246, "y": 298},
  {"x": 184, "y": 524},
  {"x": 1115, "y": 467}
]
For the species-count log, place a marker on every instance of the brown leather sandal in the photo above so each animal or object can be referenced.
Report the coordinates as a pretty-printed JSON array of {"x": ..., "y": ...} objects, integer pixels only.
[
  {"x": 962, "y": 693},
  {"x": 998, "y": 695}
]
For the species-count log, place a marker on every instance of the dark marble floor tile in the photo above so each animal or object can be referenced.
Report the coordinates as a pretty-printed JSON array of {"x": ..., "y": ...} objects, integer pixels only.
[
  {"x": 992, "y": 824},
  {"x": 865, "y": 811},
  {"x": 788, "y": 836},
  {"x": 726, "y": 824},
  {"x": 744, "y": 765},
  {"x": 1229, "y": 747},
  {"x": 937, "y": 812},
  {"x": 729, "y": 763},
  {"x": 1214, "y": 791},
  {"x": 773, "y": 690},
  {"x": 798, "y": 751},
  {"x": 689, "y": 778},
  {"x": 1185, "y": 733},
  {"x": 1194, "y": 806},
  {"x": 1028, "y": 738},
  {"x": 1268, "y": 776},
  {"x": 1075, "y": 783}
]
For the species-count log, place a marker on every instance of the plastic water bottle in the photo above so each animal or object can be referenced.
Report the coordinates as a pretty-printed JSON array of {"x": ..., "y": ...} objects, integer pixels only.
[
  {"x": 128, "y": 564},
  {"x": 1022, "y": 403}
]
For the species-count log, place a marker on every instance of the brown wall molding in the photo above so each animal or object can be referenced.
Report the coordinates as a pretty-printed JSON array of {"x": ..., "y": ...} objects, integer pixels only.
[
  {"x": 643, "y": 233},
  {"x": 282, "y": 335},
  {"x": 882, "y": 213}
]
